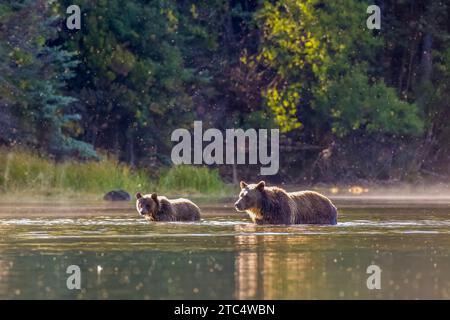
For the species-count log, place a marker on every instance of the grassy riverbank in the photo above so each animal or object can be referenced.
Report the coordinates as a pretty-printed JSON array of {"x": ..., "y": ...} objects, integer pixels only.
[{"x": 22, "y": 171}]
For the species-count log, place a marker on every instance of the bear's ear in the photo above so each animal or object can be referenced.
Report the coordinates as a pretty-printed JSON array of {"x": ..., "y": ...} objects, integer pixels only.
[
  {"x": 243, "y": 185},
  {"x": 260, "y": 186},
  {"x": 155, "y": 197},
  {"x": 138, "y": 195}
]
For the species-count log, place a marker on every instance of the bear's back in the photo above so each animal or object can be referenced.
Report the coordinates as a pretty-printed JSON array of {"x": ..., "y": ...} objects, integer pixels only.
[
  {"x": 313, "y": 208},
  {"x": 278, "y": 207},
  {"x": 185, "y": 210}
]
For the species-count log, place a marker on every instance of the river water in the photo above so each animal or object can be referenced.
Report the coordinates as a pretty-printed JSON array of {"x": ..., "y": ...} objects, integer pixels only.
[{"x": 224, "y": 256}]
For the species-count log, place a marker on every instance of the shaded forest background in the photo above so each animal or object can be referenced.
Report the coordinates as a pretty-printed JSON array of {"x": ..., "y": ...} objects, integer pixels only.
[{"x": 352, "y": 104}]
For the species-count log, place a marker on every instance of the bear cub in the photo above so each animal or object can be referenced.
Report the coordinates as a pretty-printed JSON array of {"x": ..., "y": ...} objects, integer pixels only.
[
  {"x": 158, "y": 208},
  {"x": 273, "y": 205}
]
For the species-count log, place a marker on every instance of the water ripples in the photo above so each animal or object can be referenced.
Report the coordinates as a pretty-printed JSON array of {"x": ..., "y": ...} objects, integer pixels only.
[{"x": 136, "y": 228}]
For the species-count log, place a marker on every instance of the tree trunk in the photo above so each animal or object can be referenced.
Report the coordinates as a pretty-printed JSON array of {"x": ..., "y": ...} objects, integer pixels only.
[
  {"x": 235, "y": 174},
  {"x": 426, "y": 63},
  {"x": 130, "y": 148}
]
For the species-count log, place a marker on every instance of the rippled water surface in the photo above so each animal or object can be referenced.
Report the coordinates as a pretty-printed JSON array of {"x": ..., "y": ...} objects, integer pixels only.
[{"x": 223, "y": 256}]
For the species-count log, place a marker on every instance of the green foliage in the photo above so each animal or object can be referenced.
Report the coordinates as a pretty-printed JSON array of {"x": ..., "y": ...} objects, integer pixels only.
[
  {"x": 23, "y": 171},
  {"x": 355, "y": 104},
  {"x": 132, "y": 77},
  {"x": 315, "y": 50},
  {"x": 33, "y": 79},
  {"x": 190, "y": 179},
  {"x": 139, "y": 69}
]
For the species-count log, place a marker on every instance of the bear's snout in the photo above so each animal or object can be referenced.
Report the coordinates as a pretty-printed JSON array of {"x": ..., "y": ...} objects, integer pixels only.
[{"x": 238, "y": 206}]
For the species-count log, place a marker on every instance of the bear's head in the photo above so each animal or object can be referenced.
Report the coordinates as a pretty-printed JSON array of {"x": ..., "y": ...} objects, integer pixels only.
[
  {"x": 250, "y": 196},
  {"x": 147, "y": 205}
]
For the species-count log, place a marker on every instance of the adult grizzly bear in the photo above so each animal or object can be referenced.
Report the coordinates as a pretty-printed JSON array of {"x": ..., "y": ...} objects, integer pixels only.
[
  {"x": 273, "y": 205},
  {"x": 155, "y": 208}
]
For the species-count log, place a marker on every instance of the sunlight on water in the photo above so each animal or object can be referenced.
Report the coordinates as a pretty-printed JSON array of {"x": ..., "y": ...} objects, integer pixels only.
[{"x": 226, "y": 256}]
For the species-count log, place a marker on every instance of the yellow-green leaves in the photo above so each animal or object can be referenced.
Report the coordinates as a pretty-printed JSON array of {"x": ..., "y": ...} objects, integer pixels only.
[
  {"x": 306, "y": 47},
  {"x": 294, "y": 51},
  {"x": 20, "y": 57},
  {"x": 172, "y": 19},
  {"x": 122, "y": 60},
  {"x": 284, "y": 107},
  {"x": 193, "y": 11}
]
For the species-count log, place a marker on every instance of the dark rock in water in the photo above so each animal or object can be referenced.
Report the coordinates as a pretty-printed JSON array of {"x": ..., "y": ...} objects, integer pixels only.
[{"x": 117, "y": 195}]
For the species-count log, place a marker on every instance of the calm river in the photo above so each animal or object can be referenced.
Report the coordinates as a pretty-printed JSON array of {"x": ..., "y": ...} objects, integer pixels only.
[{"x": 122, "y": 256}]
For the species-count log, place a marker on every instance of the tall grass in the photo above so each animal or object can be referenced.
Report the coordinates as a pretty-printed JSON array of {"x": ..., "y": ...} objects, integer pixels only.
[
  {"x": 24, "y": 171},
  {"x": 193, "y": 180}
]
